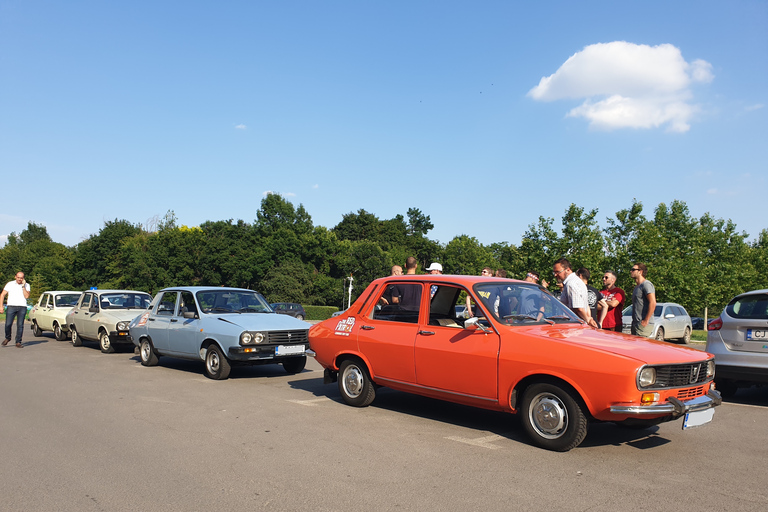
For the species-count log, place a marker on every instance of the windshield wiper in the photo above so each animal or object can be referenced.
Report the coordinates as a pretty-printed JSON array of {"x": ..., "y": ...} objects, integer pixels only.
[{"x": 223, "y": 310}]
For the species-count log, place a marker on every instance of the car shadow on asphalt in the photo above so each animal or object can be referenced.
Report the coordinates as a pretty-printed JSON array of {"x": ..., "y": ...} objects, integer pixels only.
[
  {"x": 484, "y": 420},
  {"x": 263, "y": 371},
  {"x": 755, "y": 395}
]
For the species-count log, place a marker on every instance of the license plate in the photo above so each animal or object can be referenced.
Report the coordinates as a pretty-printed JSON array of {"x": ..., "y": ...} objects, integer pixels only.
[
  {"x": 757, "y": 334},
  {"x": 698, "y": 418},
  {"x": 289, "y": 350}
]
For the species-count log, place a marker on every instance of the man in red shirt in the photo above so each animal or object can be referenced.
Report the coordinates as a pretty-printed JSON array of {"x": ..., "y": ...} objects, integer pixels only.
[{"x": 615, "y": 297}]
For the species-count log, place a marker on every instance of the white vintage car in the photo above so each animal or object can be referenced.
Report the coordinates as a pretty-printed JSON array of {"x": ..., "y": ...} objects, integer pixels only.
[{"x": 49, "y": 314}]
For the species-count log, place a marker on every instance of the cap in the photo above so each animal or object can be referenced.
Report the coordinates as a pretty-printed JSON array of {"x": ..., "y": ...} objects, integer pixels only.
[{"x": 435, "y": 266}]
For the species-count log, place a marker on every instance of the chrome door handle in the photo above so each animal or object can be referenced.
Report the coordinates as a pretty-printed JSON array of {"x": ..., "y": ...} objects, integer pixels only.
[
  {"x": 427, "y": 333},
  {"x": 368, "y": 327}
]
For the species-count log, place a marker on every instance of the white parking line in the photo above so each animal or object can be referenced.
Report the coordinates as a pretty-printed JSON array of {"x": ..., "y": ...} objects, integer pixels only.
[
  {"x": 482, "y": 442},
  {"x": 310, "y": 403}
]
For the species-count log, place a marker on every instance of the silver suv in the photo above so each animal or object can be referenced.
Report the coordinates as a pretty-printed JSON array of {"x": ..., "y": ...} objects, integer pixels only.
[
  {"x": 739, "y": 342},
  {"x": 670, "y": 321}
]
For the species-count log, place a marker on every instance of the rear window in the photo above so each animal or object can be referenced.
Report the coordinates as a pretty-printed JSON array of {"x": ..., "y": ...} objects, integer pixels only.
[{"x": 750, "y": 306}]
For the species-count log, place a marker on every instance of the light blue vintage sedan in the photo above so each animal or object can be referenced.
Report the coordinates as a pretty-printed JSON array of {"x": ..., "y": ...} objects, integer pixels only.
[{"x": 220, "y": 326}]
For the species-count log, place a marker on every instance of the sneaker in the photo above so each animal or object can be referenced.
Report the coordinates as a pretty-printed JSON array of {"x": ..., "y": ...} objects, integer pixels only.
[{"x": 19, "y": 345}]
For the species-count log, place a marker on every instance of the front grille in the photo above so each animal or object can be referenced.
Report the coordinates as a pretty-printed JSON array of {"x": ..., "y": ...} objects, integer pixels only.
[
  {"x": 285, "y": 337},
  {"x": 687, "y": 394},
  {"x": 679, "y": 375}
]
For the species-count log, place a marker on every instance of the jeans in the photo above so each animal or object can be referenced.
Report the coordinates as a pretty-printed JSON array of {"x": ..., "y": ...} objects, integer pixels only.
[{"x": 19, "y": 312}]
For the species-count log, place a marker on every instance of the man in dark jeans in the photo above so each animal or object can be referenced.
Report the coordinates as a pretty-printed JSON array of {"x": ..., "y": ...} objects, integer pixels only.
[{"x": 18, "y": 293}]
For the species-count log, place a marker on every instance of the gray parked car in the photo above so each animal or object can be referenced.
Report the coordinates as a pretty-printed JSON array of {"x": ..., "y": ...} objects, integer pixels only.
[
  {"x": 219, "y": 327},
  {"x": 670, "y": 321},
  {"x": 739, "y": 342},
  {"x": 104, "y": 315}
]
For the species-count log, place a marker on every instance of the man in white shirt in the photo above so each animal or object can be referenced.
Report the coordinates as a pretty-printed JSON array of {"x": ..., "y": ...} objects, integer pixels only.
[
  {"x": 18, "y": 293},
  {"x": 574, "y": 294}
]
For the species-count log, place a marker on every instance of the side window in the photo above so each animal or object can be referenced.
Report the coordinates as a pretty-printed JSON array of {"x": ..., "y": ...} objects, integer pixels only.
[
  {"x": 187, "y": 304},
  {"x": 402, "y": 304},
  {"x": 44, "y": 300},
  {"x": 86, "y": 303},
  {"x": 442, "y": 306},
  {"x": 167, "y": 304}
]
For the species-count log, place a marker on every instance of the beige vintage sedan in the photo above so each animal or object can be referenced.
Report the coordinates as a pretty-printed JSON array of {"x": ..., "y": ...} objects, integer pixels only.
[{"x": 49, "y": 314}]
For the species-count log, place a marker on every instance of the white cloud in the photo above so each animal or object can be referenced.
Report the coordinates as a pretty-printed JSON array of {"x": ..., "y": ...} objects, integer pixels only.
[
  {"x": 267, "y": 192},
  {"x": 240, "y": 127},
  {"x": 712, "y": 191},
  {"x": 756, "y": 106},
  {"x": 289, "y": 194},
  {"x": 316, "y": 185},
  {"x": 626, "y": 85}
]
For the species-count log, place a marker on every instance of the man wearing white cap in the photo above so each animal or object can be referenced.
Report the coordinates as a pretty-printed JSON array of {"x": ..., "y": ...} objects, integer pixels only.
[{"x": 435, "y": 268}]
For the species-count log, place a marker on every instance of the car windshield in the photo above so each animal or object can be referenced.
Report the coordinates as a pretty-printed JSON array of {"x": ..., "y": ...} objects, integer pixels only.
[
  {"x": 125, "y": 301},
  {"x": 68, "y": 299},
  {"x": 522, "y": 304},
  {"x": 232, "y": 301},
  {"x": 752, "y": 306}
]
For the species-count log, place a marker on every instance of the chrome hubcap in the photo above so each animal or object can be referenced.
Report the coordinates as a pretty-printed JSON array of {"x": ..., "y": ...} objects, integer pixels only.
[
  {"x": 213, "y": 362},
  {"x": 548, "y": 415},
  {"x": 353, "y": 381}
]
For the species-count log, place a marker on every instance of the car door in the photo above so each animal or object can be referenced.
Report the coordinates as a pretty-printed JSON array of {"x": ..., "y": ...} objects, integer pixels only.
[
  {"x": 387, "y": 335},
  {"x": 184, "y": 333},
  {"x": 44, "y": 313},
  {"x": 80, "y": 314},
  {"x": 454, "y": 359},
  {"x": 159, "y": 320}
]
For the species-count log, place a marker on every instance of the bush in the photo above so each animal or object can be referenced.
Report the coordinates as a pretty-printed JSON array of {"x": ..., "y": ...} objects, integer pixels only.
[{"x": 320, "y": 312}]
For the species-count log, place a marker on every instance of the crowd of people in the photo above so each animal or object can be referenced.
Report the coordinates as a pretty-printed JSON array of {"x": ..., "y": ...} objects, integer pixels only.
[{"x": 600, "y": 309}]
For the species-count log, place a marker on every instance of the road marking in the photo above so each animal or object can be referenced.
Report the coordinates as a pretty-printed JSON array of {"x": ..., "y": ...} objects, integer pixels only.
[
  {"x": 482, "y": 442},
  {"x": 310, "y": 403}
]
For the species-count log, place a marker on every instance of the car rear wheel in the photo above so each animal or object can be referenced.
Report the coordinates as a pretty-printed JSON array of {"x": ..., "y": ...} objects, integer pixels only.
[
  {"x": 300, "y": 317},
  {"x": 76, "y": 340},
  {"x": 686, "y": 336},
  {"x": 660, "y": 334},
  {"x": 295, "y": 364},
  {"x": 355, "y": 384},
  {"x": 553, "y": 417},
  {"x": 217, "y": 366},
  {"x": 105, "y": 343},
  {"x": 58, "y": 333},
  {"x": 36, "y": 330},
  {"x": 147, "y": 353}
]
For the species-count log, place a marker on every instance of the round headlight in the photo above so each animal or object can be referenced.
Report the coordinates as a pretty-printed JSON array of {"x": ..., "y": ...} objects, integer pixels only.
[
  {"x": 122, "y": 326},
  {"x": 258, "y": 337},
  {"x": 246, "y": 337},
  {"x": 711, "y": 368},
  {"x": 647, "y": 377}
]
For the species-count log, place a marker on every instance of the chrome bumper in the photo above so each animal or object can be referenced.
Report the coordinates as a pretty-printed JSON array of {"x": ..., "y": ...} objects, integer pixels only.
[{"x": 673, "y": 406}]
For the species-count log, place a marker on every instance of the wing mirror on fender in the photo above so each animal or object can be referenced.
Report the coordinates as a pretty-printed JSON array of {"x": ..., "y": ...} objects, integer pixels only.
[{"x": 474, "y": 324}]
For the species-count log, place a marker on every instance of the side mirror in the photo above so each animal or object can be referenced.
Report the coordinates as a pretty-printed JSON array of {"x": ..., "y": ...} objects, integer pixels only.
[
  {"x": 670, "y": 315},
  {"x": 190, "y": 314},
  {"x": 473, "y": 324},
  {"x": 93, "y": 309}
]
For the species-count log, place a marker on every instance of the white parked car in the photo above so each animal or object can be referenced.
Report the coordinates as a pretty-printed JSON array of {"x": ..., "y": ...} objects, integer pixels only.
[
  {"x": 739, "y": 342},
  {"x": 670, "y": 321},
  {"x": 49, "y": 314}
]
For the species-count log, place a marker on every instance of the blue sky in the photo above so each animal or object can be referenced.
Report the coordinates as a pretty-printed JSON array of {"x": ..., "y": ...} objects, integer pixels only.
[{"x": 485, "y": 115}]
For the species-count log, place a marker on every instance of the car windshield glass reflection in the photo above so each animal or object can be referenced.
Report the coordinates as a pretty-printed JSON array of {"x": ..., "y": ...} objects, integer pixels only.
[
  {"x": 232, "y": 301},
  {"x": 69, "y": 299},
  {"x": 125, "y": 301},
  {"x": 523, "y": 304}
]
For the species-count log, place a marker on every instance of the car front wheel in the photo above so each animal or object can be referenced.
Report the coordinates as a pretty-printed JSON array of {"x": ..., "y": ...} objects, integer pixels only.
[
  {"x": 36, "y": 330},
  {"x": 76, "y": 340},
  {"x": 355, "y": 384},
  {"x": 105, "y": 343},
  {"x": 295, "y": 364},
  {"x": 217, "y": 366},
  {"x": 660, "y": 334},
  {"x": 147, "y": 354},
  {"x": 686, "y": 336},
  {"x": 553, "y": 417},
  {"x": 58, "y": 333}
]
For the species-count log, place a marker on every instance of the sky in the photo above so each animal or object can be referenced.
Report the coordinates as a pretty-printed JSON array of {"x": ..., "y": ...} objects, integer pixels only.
[{"x": 484, "y": 115}]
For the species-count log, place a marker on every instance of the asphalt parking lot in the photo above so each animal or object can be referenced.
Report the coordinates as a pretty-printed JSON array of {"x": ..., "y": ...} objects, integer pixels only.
[{"x": 85, "y": 431}]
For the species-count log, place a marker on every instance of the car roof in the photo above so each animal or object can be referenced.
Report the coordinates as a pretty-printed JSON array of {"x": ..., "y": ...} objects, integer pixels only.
[
  {"x": 100, "y": 292},
  {"x": 195, "y": 289},
  {"x": 54, "y": 292},
  {"x": 452, "y": 278}
]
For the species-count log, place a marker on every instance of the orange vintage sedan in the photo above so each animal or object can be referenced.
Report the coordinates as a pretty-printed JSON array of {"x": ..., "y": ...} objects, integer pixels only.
[{"x": 523, "y": 352}]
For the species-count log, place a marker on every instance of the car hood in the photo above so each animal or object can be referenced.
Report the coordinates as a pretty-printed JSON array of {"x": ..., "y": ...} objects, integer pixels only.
[
  {"x": 260, "y": 321},
  {"x": 119, "y": 315},
  {"x": 635, "y": 347}
]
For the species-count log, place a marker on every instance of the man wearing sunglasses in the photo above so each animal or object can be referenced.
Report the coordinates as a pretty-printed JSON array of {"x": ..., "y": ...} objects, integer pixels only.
[
  {"x": 615, "y": 298},
  {"x": 643, "y": 301}
]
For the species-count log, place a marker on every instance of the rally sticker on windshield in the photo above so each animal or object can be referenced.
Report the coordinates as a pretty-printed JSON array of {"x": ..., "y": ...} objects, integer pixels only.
[{"x": 344, "y": 327}]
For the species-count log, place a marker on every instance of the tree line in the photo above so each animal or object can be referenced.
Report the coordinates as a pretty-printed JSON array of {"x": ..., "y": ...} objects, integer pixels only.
[{"x": 695, "y": 262}]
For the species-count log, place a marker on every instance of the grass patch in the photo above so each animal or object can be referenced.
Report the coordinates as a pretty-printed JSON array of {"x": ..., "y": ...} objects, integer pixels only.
[{"x": 699, "y": 335}]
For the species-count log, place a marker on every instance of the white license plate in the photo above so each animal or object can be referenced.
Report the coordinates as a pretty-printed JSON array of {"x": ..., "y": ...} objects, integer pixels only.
[
  {"x": 698, "y": 418},
  {"x": 289, "y": 350},
  {"x": 757, "y": 334}
]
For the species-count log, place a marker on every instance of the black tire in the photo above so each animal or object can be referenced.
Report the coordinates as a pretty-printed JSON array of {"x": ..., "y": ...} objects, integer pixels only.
[
  {"x": 686, "y": 339},
  {"x": 147, "y": 353},
  {"x": 299, "y": 317},
  {"x": 660, "y": 334},
  {"x": 105, "y": 344},
  {"x": 36, "y": 330},
  {"x": 355, "y": 384},
  {"x": 77, "y": 341},
  {"x": 295, "y": 364},
  {"x": 217, "y": 366},
  {"x": 58, "y": 333},
  {"x": 553, "y": 417}
]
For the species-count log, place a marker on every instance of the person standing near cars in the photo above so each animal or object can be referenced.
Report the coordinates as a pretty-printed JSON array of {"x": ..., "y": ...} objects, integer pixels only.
[
  {"x": 434, "y": 269},
  {"x": 615, "y": 298},
  {"x": 574, "y": 294},
  {"x": 18, "y": 293},
  {"x": 643, "y": 301},
  {"x": 594, "y": 297}
]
